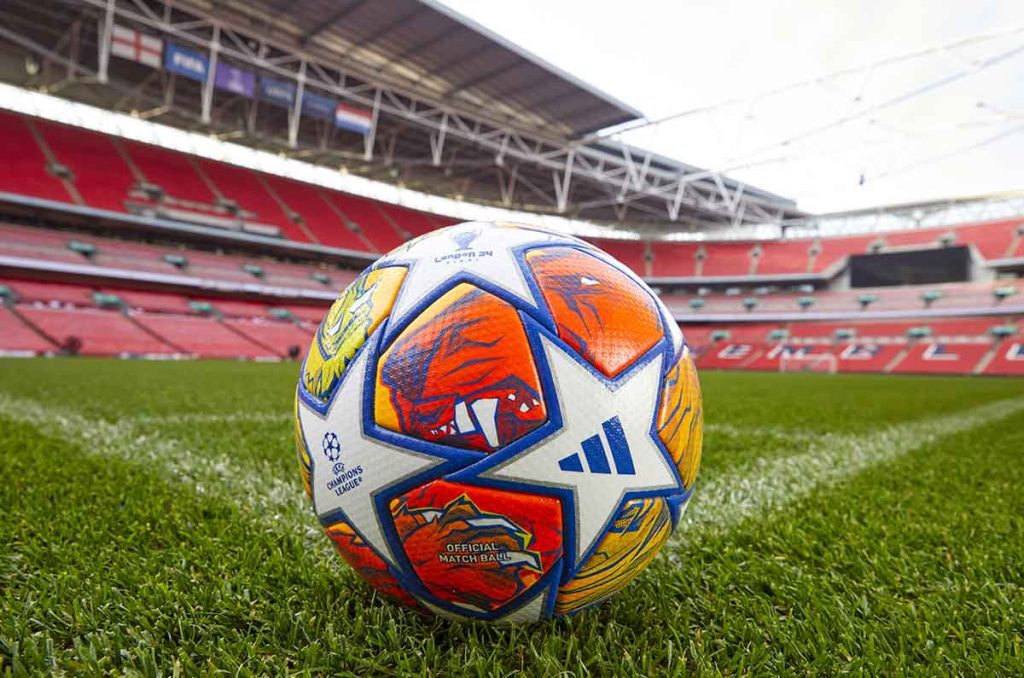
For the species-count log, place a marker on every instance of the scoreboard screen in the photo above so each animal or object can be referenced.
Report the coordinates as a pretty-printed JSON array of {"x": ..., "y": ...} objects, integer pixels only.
[{"x": 916, "y": 267}]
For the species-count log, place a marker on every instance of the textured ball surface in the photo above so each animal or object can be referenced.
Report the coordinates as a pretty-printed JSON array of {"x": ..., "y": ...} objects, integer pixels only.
[{"x": 498, "y": 423}]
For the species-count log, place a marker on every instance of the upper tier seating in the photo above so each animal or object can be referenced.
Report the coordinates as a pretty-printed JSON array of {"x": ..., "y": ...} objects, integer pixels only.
[
  {"x": 101, "y": 176},
  {"x": 629, "y": 252},
  {"x": 674, "y": 259},
  {"x": 376, "y": 228},
  {"x": 784, "y": 257},
  {"x": 322, "y": 223},
  {"x": 171, "y": 171},
  {"x": 24, "y": 166},
  {"x": 247, "y": 189}
]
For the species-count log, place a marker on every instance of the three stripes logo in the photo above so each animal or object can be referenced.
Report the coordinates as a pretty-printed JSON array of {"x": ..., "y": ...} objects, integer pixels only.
[{"x": 597, "y": 457}]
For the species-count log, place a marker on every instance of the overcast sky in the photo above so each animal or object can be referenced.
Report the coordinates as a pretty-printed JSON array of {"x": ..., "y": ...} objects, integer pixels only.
[{"x": 960, "y": 138}]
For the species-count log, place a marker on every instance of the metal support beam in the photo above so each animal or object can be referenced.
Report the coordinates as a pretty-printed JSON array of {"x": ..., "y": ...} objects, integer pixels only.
[
  {"x": 296, "y": 113},
  {"x": 106, "y": 34},
  {"x": 211, "y": 75},
  {"x": 371, "y": 135},
  {"x": 437, "y": 141}
]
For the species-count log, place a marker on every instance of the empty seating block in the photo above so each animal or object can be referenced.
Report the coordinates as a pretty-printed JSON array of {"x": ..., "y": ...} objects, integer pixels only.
[
  {"x": 203, "y": 337},
  {"x": 674, "y": 259},
  {"x": 17, "y": 337},
  {"x": 277, "y": 335},
  {"x": 1008, "y": 358},
  {"x": 50, "y": 292},
  {"x": 629, "y": 252},
  {"x": 730, "y": 260},
  {"x": 244, "y": 187},
  {"x": 101, "y": 176},
  {"x": 370, "y": 220},
  {"x": 173, "y": 172},
  {"x": 24, "y": 166},
  {"x": 320, "y": 220},
  {"x": 940, "y": 357},
  {"x": 102, "y": 333},
  {"x": 784, "y": 257}
]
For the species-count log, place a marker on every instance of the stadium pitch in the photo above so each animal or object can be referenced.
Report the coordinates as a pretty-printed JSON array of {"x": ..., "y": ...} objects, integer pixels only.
[{"x": 152, "y": 520}]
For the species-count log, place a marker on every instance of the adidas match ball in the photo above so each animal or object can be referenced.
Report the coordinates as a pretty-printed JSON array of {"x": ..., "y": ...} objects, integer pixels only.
[{"x": 498, "y": 423}]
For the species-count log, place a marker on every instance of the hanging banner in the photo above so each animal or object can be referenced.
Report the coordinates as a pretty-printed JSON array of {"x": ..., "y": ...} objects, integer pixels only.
[
  {"x": 353, "y": 119},
  {"x": 277, "y": 92},
  {"x": 235, "y": 80},
  {"x": 130, "y": 44},
  {"x": 317, "y": 106},
  {"x": 186, "y": 62}
]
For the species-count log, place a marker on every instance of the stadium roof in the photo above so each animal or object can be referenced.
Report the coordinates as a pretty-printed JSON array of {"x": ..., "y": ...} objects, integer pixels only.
[
  {"x": 423, "y": 46},
  {"x": 445, "y": 107}
]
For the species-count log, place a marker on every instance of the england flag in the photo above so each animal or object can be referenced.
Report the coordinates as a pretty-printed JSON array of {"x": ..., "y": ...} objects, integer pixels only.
[{"x": 130, "y": 44}]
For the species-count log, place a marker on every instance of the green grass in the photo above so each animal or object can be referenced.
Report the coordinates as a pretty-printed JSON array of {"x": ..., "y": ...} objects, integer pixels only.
[{"x": 116, "y": 561}]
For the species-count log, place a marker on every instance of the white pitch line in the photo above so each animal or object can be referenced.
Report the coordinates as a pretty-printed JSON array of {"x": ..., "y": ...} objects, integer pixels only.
[
  {"x": 720, "y": 503},
  {"x": 210, "y": 418},
  {"x": 217, "y": 475},
  {"x": 779, "y": 432},
  {"x": 768, "y": 484}
]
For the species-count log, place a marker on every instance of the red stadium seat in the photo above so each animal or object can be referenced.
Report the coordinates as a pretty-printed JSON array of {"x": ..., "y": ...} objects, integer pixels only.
[
  {"x": 24, "y": 166},
  {"x": 102, "y": 333},
  {"x": 276, "y": 335},
  {"x": 203, "y": 337},
  {"x": 629, "y": 252},
  {"x": 938, "y": 357},
  {"x": 322, "y": 222},
  {"x": 173, "y": 172},
  {"x": 1007, "y": 358},
  {"x": 16, "y": 337},
  {"x": 727, "y": 259},
  {"x": 674, "y": 259},
  {"x": 101, "y": 176}
]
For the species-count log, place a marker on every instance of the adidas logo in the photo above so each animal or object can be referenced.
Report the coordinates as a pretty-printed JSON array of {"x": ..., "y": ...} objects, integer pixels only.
[{"x": 597, "y": 457}]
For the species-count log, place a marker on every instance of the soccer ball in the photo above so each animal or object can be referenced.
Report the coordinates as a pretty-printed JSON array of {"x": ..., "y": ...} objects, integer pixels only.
[{"x": 498, "y": 423}]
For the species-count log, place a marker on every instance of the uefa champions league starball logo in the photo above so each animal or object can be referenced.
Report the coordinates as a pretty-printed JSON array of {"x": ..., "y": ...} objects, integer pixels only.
[{"x": 331, "y": 445}]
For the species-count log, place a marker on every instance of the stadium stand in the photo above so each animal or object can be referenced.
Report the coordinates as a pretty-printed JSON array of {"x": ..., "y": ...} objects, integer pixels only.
[
  {"x": 105, "y": 184},
  {"x": 111, "y": 313},
  {"x": 24, "y": 169},
  {"x": 19, "y": 338},
  {"x": 203, "y": 336},
  {"x": 100, "y": 332}
]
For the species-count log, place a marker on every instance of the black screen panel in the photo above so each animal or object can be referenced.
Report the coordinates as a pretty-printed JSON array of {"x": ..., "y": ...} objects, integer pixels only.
[{"x": 916, "y": 267}]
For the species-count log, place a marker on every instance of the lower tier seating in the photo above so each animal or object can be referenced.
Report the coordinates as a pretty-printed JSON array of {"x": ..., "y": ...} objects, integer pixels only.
[{"x": 926, "y": 346}]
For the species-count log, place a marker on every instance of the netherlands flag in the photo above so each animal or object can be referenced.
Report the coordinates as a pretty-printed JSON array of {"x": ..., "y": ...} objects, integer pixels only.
[
  {"x": 130, "y": 44},
  {"x": 353, "y": 119}
]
